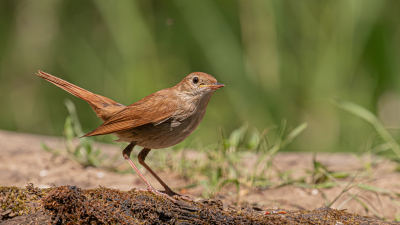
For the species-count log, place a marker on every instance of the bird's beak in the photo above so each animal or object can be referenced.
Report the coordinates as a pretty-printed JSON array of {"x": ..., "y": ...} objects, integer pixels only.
[{"x": 213, "y": 86}]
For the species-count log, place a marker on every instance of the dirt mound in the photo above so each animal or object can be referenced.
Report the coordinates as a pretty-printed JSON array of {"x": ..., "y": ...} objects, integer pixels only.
[{"x": 70, "y": 204}]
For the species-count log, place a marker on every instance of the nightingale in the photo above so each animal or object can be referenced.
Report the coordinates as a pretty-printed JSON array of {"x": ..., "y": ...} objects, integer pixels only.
[{"x": 159, "y": 120}]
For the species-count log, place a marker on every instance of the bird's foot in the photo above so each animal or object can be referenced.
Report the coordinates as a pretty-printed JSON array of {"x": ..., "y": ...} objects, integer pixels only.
[
  {"x": 165, "y": 194},
  {"x": 176, "y": 195},
  {"x": 158, "y": 193}
]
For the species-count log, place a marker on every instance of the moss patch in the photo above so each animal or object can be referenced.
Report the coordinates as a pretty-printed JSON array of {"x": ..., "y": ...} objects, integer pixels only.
[
  {"x": 69, "y": 204},
  {"x": 17, "y": 202}
]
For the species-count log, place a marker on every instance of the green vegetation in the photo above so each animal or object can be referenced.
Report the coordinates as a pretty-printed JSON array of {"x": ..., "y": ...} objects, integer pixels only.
[
  {"x": 387, "y": 141},
  {"x": 83, "y": 152},
  {"x": 278, "y": 58},
  {"x": 224, "y": 164}
]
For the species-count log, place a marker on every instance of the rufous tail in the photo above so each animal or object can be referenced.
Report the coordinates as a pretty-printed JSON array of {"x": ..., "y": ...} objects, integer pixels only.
[{"x": 102, "y": 106}]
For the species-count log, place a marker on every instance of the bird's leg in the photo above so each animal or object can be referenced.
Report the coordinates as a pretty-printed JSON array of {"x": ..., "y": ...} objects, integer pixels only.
[
  {"x": 127, "y": 153},
  {"x": 141, "y": 157}
]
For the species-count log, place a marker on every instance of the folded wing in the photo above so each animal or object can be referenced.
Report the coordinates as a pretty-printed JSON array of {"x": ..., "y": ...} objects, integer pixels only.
[{"x": 153, "y": 109}]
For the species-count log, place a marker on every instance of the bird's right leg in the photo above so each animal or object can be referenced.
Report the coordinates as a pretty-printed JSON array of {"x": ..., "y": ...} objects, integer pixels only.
[
  {"x": 127, "y": 154},
  {"x": 141, "y": 158}
]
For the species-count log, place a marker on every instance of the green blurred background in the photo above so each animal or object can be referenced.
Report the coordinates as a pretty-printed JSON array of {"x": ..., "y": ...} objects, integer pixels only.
[{"x": 280, "y": 59}]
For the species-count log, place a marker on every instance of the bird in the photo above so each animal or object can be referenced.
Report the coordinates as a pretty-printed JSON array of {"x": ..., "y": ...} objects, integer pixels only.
[{"x": 159, "y": 120}]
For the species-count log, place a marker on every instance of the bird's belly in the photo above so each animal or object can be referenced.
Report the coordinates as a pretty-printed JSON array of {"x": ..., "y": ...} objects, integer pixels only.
[{"x": 160, "y": 136}]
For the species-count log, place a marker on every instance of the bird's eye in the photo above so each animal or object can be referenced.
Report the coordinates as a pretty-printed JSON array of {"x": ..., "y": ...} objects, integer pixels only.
[{"x": 195, "y": 80}]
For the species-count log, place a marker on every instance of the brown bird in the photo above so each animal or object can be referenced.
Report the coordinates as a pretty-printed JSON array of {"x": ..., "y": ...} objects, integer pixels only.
[{"x": 159, "y": 120}]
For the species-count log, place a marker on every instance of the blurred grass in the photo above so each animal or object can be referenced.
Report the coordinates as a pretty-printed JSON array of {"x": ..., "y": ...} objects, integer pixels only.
[{"x": 278, "y": 59}]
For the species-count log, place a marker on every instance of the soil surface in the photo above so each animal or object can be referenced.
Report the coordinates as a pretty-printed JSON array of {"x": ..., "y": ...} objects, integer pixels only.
[{"x": 23, "y": 161}]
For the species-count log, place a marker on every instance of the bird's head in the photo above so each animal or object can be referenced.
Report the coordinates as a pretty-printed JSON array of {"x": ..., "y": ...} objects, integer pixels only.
[{"x": 198, "y": 83}]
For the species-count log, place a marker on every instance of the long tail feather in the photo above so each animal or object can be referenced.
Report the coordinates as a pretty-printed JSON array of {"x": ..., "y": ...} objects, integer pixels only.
[{"x": 102, "y": 106}]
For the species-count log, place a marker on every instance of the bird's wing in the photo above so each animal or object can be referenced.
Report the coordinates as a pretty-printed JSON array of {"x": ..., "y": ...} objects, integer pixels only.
[{"x": 153, "y": 109}]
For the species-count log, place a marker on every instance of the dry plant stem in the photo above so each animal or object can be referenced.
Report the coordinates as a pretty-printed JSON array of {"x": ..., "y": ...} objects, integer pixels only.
[
  {"x": 364, "y": 204},
  {"x": 380, "y": 204},
  {"x": 127, "y": 153},
  {"x": 351, "y": 196},
  {"x": 344, "y": 190}
]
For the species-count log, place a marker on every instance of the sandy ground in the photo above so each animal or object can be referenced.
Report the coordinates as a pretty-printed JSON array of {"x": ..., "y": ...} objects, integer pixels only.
[{"x": 22, "y": 161}]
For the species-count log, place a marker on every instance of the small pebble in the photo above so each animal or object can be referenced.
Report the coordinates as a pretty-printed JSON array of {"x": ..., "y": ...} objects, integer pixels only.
[
  {"x": 100, "y": 175},
  {"x": 43, "y": 173},
  {"x": 43, "y": 186},
  {"x": 8, "y": 211},
  {"x": 314, "y": 192}
]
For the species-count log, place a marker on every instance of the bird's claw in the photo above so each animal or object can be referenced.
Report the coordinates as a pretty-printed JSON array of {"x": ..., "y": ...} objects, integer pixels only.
[{"x": 159, "y": 193}]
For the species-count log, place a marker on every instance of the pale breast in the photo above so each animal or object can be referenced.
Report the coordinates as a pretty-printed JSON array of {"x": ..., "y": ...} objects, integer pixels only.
[{"x": 163, "y": 135}]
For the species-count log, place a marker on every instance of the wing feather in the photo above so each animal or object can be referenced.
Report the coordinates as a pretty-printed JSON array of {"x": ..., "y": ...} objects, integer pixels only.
[{"x": 153, "y": 109}]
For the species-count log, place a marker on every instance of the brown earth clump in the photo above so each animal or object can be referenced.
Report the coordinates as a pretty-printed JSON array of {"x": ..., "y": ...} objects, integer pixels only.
[{"x": 72, "y": 205}]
